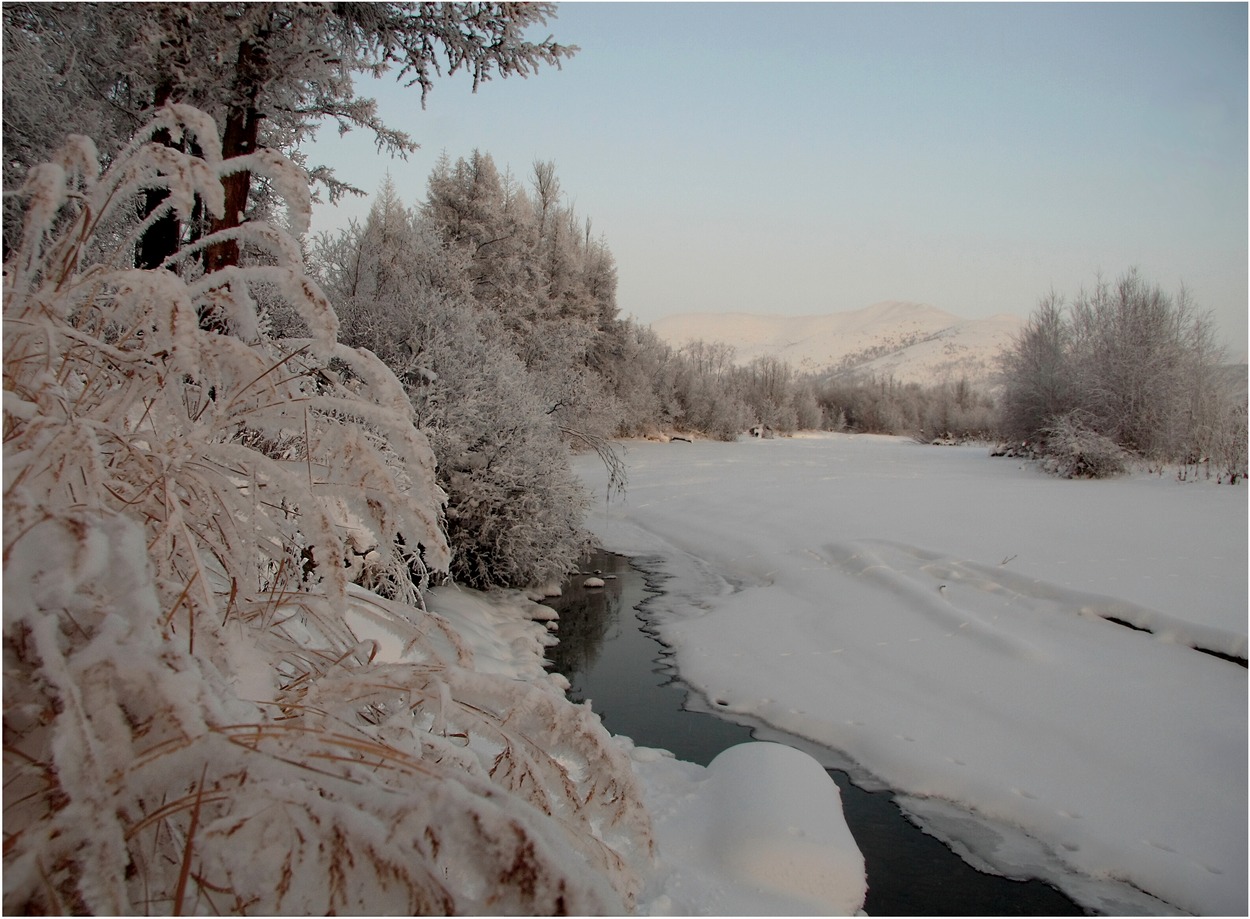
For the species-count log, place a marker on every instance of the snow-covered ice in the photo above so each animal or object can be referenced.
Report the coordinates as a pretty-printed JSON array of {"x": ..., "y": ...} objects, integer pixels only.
[{"x": 942, "y": 620}]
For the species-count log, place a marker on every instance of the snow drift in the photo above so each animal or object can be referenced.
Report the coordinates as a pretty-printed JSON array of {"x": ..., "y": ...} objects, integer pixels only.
[{"x": 759, "y": 832}]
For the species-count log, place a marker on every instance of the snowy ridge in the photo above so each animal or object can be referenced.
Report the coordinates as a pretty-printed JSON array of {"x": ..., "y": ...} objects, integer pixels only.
[{"x": 912, "y": 342}]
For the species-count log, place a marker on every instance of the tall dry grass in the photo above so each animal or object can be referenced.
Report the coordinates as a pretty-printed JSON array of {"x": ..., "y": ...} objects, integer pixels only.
[{"x": 191, "y": 722}]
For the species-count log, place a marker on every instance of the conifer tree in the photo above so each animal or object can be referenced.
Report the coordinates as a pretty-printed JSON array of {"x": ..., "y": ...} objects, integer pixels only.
[{"x": 268, "y": 74}]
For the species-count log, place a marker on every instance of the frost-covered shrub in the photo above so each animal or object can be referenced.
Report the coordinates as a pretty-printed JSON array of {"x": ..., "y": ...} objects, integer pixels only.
[
  {"x": 108, "y": 367},
  {"x": 1140, "y": 366},
  {"x": 193, "y": 720},
  {"x": 1072, "y": 451},
  {"x": 515, "y": 508}
]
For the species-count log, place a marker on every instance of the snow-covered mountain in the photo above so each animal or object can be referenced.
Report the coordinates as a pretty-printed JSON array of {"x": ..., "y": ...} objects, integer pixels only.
[{"x": 912, "y": 342}]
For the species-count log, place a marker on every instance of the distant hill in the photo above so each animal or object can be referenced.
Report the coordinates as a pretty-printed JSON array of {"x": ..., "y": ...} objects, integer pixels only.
[{"x": 912, "y": 342}]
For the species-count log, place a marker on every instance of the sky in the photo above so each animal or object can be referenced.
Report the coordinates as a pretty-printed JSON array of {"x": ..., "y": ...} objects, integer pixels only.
[{"x": 808, "y": 158}]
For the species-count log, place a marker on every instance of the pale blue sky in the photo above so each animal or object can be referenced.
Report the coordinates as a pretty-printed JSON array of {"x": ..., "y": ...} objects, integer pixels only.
[{"x": 814, "y": 157}]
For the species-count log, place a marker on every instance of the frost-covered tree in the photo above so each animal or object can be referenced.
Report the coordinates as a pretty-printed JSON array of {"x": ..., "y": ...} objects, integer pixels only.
[
  {"x": 708, "y": 390},
  {"x": 372, "y": 270},
  {"x": 639, "y": 372},
  {"x": 267, "y": 73},
  {"x": 1039, "y": 385},
  {"x": 514, "y": 510},
  {"x": 551, "y": 284},
  {"x": 1132, "y": 363},
  {"x": 769, "y": 388}
]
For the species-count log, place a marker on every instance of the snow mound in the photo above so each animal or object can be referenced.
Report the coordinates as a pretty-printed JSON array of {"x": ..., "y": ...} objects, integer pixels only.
[{"x": 760, "y": 831}]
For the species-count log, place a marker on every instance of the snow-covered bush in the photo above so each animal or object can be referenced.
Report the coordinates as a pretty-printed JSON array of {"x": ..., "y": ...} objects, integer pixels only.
[
  {"x": 1072, "y": 450},
  {"x": 1140, "y": 366},
  {"x": 514, "y": 510},
  {"x": 193, "y": 720}
]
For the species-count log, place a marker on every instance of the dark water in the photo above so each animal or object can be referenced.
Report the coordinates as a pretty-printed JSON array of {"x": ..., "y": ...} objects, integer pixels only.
[{"x": 610, "y": 657}]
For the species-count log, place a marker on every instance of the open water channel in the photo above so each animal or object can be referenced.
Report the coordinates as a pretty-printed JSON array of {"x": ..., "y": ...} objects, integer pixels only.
[{"x": 611, "y": 657}]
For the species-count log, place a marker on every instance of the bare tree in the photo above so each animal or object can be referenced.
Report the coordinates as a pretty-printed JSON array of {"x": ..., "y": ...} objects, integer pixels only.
[{"x": 1037, "y": 371}]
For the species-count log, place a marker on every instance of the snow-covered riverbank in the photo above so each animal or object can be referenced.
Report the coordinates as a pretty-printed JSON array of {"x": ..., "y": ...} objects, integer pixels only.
[
  {"x": 760, "y": 831},
  {"x": 942, "y": 619}
]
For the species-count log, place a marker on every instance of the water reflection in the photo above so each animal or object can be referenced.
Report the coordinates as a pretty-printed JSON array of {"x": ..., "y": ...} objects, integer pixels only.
[
  {"x": 587, "y": 615},
  {"x": 609, "y": 657},
  {"x": 616, "y": 663}
]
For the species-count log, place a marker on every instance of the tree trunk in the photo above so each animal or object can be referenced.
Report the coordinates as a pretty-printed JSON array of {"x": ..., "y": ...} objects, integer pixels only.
[{"x": 240, "y": 137}]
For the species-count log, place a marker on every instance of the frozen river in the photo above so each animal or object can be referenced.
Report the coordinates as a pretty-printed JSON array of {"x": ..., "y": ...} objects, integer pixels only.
[
  {"x": 612, "y": 660},
  {"x": 949, "y": 623}
]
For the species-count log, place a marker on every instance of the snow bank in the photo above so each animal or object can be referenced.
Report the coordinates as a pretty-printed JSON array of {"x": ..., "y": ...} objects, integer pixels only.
[
  {"x": 760, "y": 831},
  {"x": 433, "y": 767},
  {"x": 944, "y": 622}
]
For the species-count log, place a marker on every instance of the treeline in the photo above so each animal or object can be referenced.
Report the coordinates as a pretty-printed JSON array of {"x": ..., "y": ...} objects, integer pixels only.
[{"x": 495, "y": 303}]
